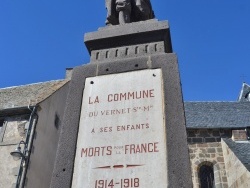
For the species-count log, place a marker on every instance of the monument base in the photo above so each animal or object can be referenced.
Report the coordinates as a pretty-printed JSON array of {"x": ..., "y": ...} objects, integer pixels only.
[
  {"x": 177, "y": 158},
  {"x": 144, "y": 47}
]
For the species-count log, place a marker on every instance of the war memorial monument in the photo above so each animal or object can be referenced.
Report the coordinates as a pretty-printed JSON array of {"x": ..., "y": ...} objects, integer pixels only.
[
  {"x": 124, "y": 124},
  {"x": 120, "y": 121}
]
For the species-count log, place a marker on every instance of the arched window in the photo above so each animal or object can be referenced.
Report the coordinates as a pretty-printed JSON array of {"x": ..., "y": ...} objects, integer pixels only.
[
  {"x": 247, "y": 96},
  {"x": 248, "y": 133},
  {"x": 1, "y": 129},
  {"x": 206, "y": 176},
  {"x": 1, "y": 124}
]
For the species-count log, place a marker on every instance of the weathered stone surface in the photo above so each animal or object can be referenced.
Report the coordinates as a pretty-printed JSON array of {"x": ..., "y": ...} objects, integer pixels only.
[
  {"x": 128, "y": 36},
  {"x": 207, "y": 135},
  {"x": 238, "y": 135},
  {"x": 139, "y": 33},
  {"x": 11, "y": 138},
  {"x": 106, "y": 55},
  {"x": 64, "y": 162},
  {"x": 45, "y": 142},
  {"x": 236, "y": 171},
  {"x": 6, "y": 164},
  {"x": 177, "y": 160},
  {"x": 207, "y": 151},
  {"x": 122, "y": 132},
  {"x": 11, "y": 132}
]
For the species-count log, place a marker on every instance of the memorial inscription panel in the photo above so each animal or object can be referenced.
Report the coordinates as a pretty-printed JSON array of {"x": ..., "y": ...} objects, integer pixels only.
[{"x": 122, "y": 137}]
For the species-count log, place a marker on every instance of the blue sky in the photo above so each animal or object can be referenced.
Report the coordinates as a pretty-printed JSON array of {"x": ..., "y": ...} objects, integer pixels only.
[{"x": 39, "y": 39}]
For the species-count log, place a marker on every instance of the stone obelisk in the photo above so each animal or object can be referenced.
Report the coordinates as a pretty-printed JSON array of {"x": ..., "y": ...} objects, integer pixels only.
[{"x": 124, "y": 123}]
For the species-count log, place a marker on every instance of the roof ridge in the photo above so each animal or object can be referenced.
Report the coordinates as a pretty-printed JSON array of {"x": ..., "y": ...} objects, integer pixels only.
[
  {"x": 11, "y": 87},
  {"x": 244, "y": 83}
]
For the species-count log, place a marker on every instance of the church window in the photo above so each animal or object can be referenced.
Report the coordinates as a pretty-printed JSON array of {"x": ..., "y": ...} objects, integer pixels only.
[
  {"x": 206, "y": 176},
  {"x": 248, "y": 133},
  {"x": 1, "y": 129},
  {"x": 247, "y": 96},
  {"x": 1, "y": 125}
]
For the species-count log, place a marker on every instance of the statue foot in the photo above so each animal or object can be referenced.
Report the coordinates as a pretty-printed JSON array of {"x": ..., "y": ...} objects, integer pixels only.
[{"x": 111, "y": 20}]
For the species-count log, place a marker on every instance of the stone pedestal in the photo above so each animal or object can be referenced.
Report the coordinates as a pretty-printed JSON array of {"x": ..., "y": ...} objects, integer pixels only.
[
  {"x": 124, "y": 123},
  {"x": 128, "y": 41}
]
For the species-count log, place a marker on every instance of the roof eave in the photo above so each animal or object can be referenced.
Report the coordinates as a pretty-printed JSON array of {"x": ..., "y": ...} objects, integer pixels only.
[{"x": 16, "y": 111}]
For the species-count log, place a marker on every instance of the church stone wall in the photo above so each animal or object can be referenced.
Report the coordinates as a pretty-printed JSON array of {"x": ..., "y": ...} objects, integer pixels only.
[
  {"x": 13, "y": 132},
  {"x": 237, "y": 174},
  {"x": 205, "y": 148}
]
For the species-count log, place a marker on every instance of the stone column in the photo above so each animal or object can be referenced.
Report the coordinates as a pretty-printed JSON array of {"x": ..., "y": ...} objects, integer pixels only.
[{"x": 126, "y": 49}]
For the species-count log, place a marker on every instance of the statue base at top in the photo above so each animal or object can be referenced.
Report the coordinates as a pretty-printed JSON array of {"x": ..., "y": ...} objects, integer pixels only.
[{"x": 129, "y": 40}]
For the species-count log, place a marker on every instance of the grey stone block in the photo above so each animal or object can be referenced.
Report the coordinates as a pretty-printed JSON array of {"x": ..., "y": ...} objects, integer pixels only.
[
  {"x": 204, "y": 133},
  {"x": 218, "y": 185},
  {"x": 216, "y": 133},
  {"x": 218, "y": 139},
  {"x": 129, "y": 34},
  {"x": 210, "y": 139},
  {"x": 179, "y": 172},
  {"x": 211, "y": 150},
  {"x": 64, "y": 162},
  {"x": 2, "y": 131},
  {"x": 46, "y": 139},
  {"x": 120, "y": 66},
  {"x": 113, "y": 50},
  {"x": 15, "y": 171},
  {"x": 197, "y": 140},
  {"x": 104, "y": 55}
]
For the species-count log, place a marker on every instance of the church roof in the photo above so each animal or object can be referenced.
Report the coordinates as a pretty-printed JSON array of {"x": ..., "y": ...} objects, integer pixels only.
[
  {"x": 217, "y": 114},
  {"x": 241, "y": 150},
  {"x": 21, "y": 96}
]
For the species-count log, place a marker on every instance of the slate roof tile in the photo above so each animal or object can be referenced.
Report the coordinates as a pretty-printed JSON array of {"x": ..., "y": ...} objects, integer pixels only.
[
  {"x": 241, "y": 150},
  {"x": 20, "y": 96},
  {"x": 217, "y": 114}
]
